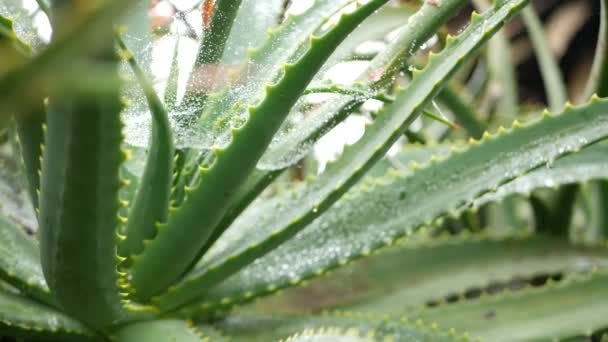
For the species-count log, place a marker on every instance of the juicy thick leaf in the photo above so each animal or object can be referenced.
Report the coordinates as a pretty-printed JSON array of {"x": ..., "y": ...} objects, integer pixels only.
[
  {"x": 375, "y": 28},
  {"x": 253, "y": 20},
  {"x": 291, "y": 145},
  {"x": 151, "y": 203},
  {"x": 31, "y": 139},
  {"x": 298, "y": 209},
  {"x": 20, "y": 316},
  {"x": 591, "y": 163},
  {"x": 42, "y": 70},
  {"x": 328, "y": 335},
  {"x": 552, "y": 78},
  {"x": 79, "y": 200},
  {"x": 394, "y": 208},
  {"x": 20, "y": 262},
  {"x": 29, "y": 123},
  {"x": 177, "y": 244},
  {"x": 571, "y": 308},
  {"x": 422, "y": 269},
  {"x": 285, "y": 44},
  {"x": 282, "y": 45},
  {"x": 159, "y": 331},
  {"x": 29, "y": 129},
  {"x": 374, "y": 328}
]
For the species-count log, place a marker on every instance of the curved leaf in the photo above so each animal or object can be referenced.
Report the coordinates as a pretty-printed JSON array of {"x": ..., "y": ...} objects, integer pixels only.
[
  {"x": 290, "y": 146},
  {"x": 42, "y": 69},
  {"x": 20, "y": 262},
  {"x": 590, "y": 163},
  {"x": 20, "y": 316},
  {"x": 253, "y": 20},
  {"x": 79, "y": 199},
  {"x": 552, "y": 78},
  {"x": 395, "y": 207},
  {"x": 177, "y": 244},
  {"x": 253, "y": 237},
  {"x": 370, "y": 327},
  {"x": 151, "y": 202},
  {"x": 597, "y": 82},
  {"x": 422, "y": 269},
  {"x": 571, "y": 308}
]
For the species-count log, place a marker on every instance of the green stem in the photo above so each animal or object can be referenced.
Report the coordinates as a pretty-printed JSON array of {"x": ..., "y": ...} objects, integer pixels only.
[
  {"x": 463, "y": 111},
  {"x": 549, "y": 68},
  {"x": 598, "y": 79},
  {"x": 598, "y": 83}
]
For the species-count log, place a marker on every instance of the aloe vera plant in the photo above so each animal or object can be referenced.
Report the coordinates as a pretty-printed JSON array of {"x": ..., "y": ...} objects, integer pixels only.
[{"x": 199, "y": 232}]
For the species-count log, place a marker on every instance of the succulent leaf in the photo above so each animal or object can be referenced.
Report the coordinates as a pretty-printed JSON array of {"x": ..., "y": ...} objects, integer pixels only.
[
  {"x": 159, "y": 331},
  {"x": 79, "y": 200},
  {"x": 208, "y": 200},
  {"x": 23, "y": 317},
  {"x": 301, "y": 207},
  {"x": 422, "y": 269},
  {"x": 447, "y": 185},
  {"x": 573, "y": 308},
  {"x": 420, "y": 27},
  {"x": 42, "y": 69},
  {"x": 151, "y": 202},
  {"x": 20, "y": 262},
  {"x": 369, "y": 327}
]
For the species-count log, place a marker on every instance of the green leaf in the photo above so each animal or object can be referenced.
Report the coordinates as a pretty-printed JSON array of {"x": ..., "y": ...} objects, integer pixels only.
[
  {"x": 376, "y": 27},
  {"x": 598, "y": 78},
  {"x": 588, "y": 164},
  {"x": 598, "y": 83},
  {"x": 253, "y": 20},
  {"x": 370, "y": 327},
  {"x": 159, "y": 331},
  {"x": 20, "y": 316},
  {"x": 290, "y": 146},
  {"x": 31, "y": 139},
  {"x": 328, "y": 335},
  {"x": 190, "y": 226},
  {"x": 151, "y": 202},
  {"x": 395, "y": 208},
  {"x": 463, "y": 111},
  {"x": 552, "y": 78},
  {"x": 42, "y": 70},
  {"x": 20, "y": 262},
  {"x": 571, "y": 308},
  {"x": 595, "y": 207},
  {"x": 422, "y": 269},
  {"x": 15, "y": 202},
  {"x": 79, "y": 201},
  {"x": 285, "y": 44},
  {"x": 253, "y": 236}
]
